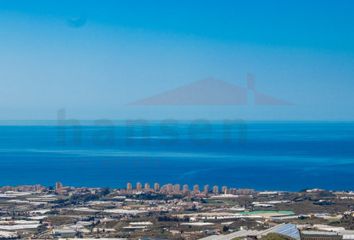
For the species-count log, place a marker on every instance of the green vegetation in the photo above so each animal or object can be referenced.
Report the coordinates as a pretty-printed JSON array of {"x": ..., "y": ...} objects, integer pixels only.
[{"x": 275, "y": 236}]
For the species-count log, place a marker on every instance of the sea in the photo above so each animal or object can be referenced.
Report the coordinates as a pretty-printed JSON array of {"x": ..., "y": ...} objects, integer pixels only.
[{"x": 288, "y": 156}]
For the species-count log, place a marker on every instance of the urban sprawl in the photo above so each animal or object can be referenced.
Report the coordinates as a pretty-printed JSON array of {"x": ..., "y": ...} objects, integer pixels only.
[{"x": 174, "y": 211}]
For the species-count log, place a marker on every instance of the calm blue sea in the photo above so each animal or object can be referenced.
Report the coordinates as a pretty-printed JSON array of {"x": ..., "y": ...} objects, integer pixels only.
[{"x": 260, "y": 155}]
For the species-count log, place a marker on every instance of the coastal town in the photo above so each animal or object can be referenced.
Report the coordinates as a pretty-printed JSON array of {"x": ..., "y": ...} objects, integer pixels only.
[{"x": 173, "y": 211}]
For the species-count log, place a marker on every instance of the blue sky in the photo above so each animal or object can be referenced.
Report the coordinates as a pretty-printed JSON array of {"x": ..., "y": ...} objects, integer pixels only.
[{"x": 92, "y": 58}]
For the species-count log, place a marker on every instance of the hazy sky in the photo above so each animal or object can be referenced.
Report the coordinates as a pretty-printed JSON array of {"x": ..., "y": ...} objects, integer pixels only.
[{"x": 92, "y": 58}]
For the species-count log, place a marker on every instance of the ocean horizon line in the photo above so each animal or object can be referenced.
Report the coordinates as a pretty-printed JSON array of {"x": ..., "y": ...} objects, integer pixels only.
[{"x": 93, "y": 122}]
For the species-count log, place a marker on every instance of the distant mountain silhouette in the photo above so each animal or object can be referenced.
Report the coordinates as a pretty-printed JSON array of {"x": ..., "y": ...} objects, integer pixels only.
[{"x": 211, "y": 92}]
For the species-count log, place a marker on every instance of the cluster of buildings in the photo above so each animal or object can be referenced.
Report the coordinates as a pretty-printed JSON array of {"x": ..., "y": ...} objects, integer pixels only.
[
  {"x": 288, "y": 231},
  {"x": 173, "y": 211},
  {"x": 184, "y": 189}
]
